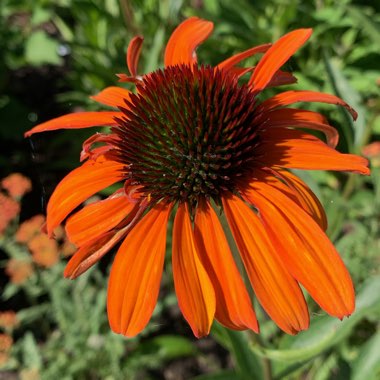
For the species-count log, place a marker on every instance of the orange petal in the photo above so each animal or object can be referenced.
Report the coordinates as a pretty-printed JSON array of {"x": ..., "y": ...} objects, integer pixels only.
[
  {"x": 306, "y": 198},
  {"x": 305, "y": 250},
  {"x": 181, "y": 46},
  {"x": 276, "y": 56},
  {"x": 133, "y": 54},
  {"x": 79, "y": 185},
  {"x": 233, "y": 306},
  {"x": 97, "y": 218},
  {"x": 195, "y": 293},
  {"x": 290, "y": 97},
  {"x": 292, "y": 117},
  {"x": 275, "y": 288},
  {"x": 136, "y": 273},
  {"x": 90, "y": 253},
  {"x": 298, "y": 150},
  {"x": 77, "y": 120},
  {"x": 113, "y": 96},
  {"x": 228, "y": 63}
]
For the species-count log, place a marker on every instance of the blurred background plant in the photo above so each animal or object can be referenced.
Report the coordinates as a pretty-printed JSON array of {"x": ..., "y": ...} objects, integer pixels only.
[{"x": 57, "y": 53}]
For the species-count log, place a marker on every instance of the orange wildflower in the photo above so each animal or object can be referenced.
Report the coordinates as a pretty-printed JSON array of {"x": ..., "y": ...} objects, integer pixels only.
[
  {"x": 18, "y": 270},
  {"x": 8, "y": 319},
  {"x": 372, "y": 151},
  {"x": 192, "y": 134},
  {"x": 68, "y": 248},
  {"x": 9, "y": 210},
  {"x": 6, "y": 342},
  {"x": 30, "y": 228},
  {"x": 44, "y": 250},
  {"x": 16, "y": 184}
]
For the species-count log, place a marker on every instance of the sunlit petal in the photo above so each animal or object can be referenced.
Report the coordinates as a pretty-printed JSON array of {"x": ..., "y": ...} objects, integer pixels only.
[
  {"x": 195, "y": 293},
  {"x": 112, "y": 96},
  {"x": 298, "y": 150},
  {"x": 77, "y": 120},
  {"x": 185, "y": 39},
  {"x": 289, "y": 97},
  {"x": 305, "y": 250},
  {"x": 97, "y": 218},
  {"x": 233, "y": 306},
  {"x": 79, "y": 185},
  {"x": 275, "y": 288},
  {"x": 136, "y": 273},
  {"x": 276, "y": 56}
]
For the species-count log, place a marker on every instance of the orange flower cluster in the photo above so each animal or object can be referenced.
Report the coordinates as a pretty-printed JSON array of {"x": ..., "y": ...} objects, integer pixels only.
[
  {"x": 14, "y": 187},
  {"x": 9, "y": 210},
  {"x": 45, "y": 252},
  {"x": 18, "y": 270},
  {"x": 16, "y": 184},
  {"x": 6, "y": 343},
  {"x": 372, "y": 151},
  {"x": 8, "y": 320}
]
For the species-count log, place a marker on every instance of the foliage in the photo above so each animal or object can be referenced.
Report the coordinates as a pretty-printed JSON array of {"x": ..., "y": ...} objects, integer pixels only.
[{"x": 56, "y": 54}]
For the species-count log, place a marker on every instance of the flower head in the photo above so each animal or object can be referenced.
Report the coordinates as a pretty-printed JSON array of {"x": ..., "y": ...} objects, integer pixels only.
[
  {"x": 9, "y": 210},
  {"x": 8, "y": 319},
  {"x": 44, "y": 250},
  {"x": 16, "y": 184},
  {"x": 30, "y": 228},
  {"x": 193, "y": 141},
  {"x": 18, "y": 270}
]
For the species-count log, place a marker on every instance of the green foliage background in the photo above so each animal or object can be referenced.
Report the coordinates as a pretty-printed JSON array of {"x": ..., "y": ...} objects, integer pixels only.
[{"x": 57, "y": 53}]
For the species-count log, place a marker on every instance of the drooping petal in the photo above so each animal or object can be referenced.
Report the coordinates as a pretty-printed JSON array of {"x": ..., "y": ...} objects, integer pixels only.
[
  {"x": 93, "y": 153},
  {"x": 233, "y": 305},
  {"x": 79, "y": 185},
  {"x": 276, "y": 56},
  {"x": 133, "y": 54},
  {"x": 275, "y": 288},
  {"x": 112, "y": 96},
  {"x": 181, "y": 46},
  {"x": 305, "y": 250},
  {"x": 281, "y": 78},
  {"x": 306, "y": 198},
  {"x": 90, "y": 253},
  {"x": 77, "y": 120},
  {"x": 136, "y": 273},
  {"x": 97, "y": 218},
  {"x": 298, "y": 150},
  {"x": 292, "y": 117},
  {"x": 228, "y": 63},
  {"x": 129, "y": 79},
  {"x": 195, "y": 293},
  {"x": 289, "y": 97}
]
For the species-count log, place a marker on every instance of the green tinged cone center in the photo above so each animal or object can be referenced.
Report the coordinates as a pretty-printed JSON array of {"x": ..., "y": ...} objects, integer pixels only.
[{"x": 188, "y": 132}]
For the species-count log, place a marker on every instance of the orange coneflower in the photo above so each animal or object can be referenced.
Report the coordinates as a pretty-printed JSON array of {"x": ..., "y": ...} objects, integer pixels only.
[{"x": 193, "y": 139}]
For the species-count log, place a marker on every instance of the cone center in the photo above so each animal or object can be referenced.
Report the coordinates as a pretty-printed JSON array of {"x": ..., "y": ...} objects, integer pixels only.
[{"x": 188, "y": 132}]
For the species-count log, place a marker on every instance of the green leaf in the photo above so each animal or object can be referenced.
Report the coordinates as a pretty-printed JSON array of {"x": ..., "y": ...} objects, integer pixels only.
[
  {"x": 353, "y": 131},
  {"x": 367, "y": 365},
  {"x": 247, "y": 363},
  {"x": 366, "y": 23},
  {"x": 41, "y": 49},
  {"x": 31, "y": 353},
  {"x": 169, "y": 347}
]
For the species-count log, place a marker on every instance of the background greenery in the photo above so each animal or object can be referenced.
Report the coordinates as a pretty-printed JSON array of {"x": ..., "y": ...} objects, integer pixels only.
[{"x": 57, "y": 53}]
